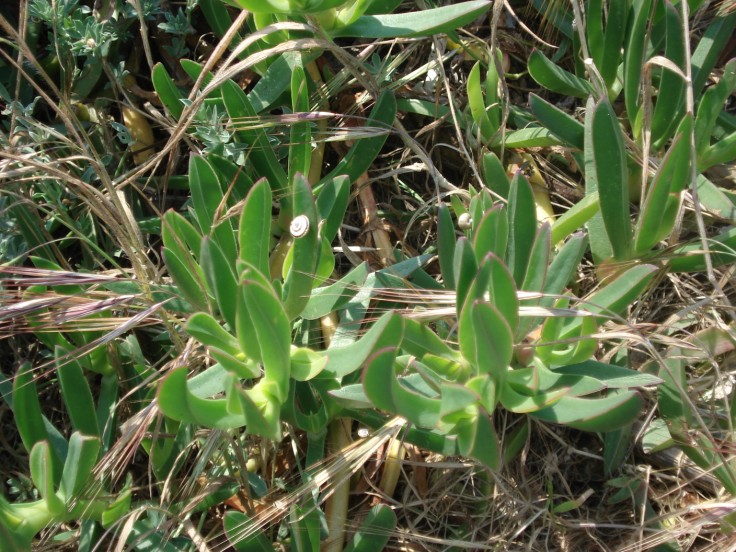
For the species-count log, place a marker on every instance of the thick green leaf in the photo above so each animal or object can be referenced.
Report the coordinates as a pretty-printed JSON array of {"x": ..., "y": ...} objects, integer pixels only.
[
  {"x": 600, "y": 245},
  {"x": 179, "y": 403},
  {"x": 415, "y": 23},
  {"x": 306, "y": 363},
  {"x": 522, "y": 222},
  {"x": 536, "y": 272},
  {"x": 27, "y": 408},
  {"x": 554, "y": 78},
  {"x": 167, "y": 91},
  {"x": 234, "y": 177},
  {"x": 515, "y": 441},
  {"x": 273, "y": 332},
  {"x": 558, "y": 122},
  {"x": 491, "y": 234},
  {"x": 578, "y": 347},
  {"x": 420, "y": 340},
  {"x": 616, "y": 448},
  {"x": 181, "y": 243},
  {"x": 325, "y": 300},
  {"x": 538, "y": 379},
  {"x": 525, "y": 404},
  {"x": 634, "y": 54},
  {"x": 477, "y": 438},
  {"x": 536, "y": 276},
  {"x": 305, "y": 526},
  {"x": 691, "y": 258},
  {"x": 284, "y": 6},
  {"x": 254, "y": 235},
  {"x": 331, "y": 204},
  {"x": 80, "y": 461},
  {"x": 710, "y": 48},
  {"x": 351, "y": 396},
  {"x": 670, "y": 105},
  {"x": 274, "y": 81},
  {"x": 609, "y": 159},
  {"x": 477, "y": 105},
  {"x": 219, "y": 273},
  {"x": 189, "y": 281},
  {"x": 594, "y": 31},
  {"x": 714, "y": 199},
  {"x": 205, "y": 329},
  {"x": 711, "y": 105},
  {"x": 502, "y": 292},
  {"x": 262, "y": 154},
  {"x": 575, "y": 217},
  {"x": 386, "y": 393},
  {"x": 465, "y": 269},
  {"x": 612, "y": 376},
  {"x": 662, "y": 203},
  {"x": 673, "y": 404},
  {"x": 207, "y": 197},
  {"x": 300, "y": 139},
  {"x": 446, "y": 245},
  {"x": 374, "y": 532},
  {"x": 723, "y": 151},
  {"x": 310, "y": 407},
  {"x": 486, "y": 340},
  {"x": 76, "y": 394},
  {"x": 41, "y": 465},
  {"x": 614, "y": 39},
  {"x": 564, "y": 266},
  {"x": 604, "y": 414},
  {"x": 386, "y": 331},
  {"x": 306, "y": 249},
  {"x": 244, "y": 535},
  {"x": 457, "y": 402},
  {"x": 530, "y": 137},
  {"x": 494, "y": 174},
  {"x": 364, "y": 151},
  {"x": 236, "y": 364},
  {"x": 614, "y": 298}
]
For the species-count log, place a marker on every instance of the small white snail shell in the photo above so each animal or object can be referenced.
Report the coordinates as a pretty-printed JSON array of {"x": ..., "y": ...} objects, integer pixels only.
[
  {"x": 464, "y": 221},
  {"x": 299, "y": 226}
]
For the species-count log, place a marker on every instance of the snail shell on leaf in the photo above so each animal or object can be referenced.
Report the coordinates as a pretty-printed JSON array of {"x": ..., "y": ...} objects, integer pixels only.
[
  {"x": 464, "y": 221},
  {"x": 299, "y": 226}
]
